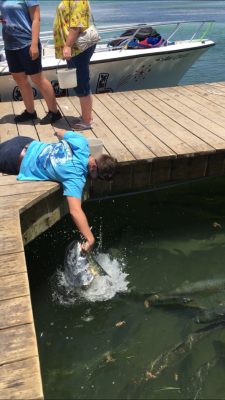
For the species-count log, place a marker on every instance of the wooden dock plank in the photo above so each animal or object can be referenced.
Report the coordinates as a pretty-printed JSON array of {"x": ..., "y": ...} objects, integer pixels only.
[
  {"x": 75, "y": 112},
  {"x": 70, "y": 108},
  {"x": 215, "y": 86},
  {"x": 13, "y": 263},
  {"x": 10, "y": 234},
  {"x": 22, "y": 202},
  {"x": 221, "y": 83},
  {"x": 9, "y": 180},
  {"x": 149, "y": 130},
  {"x": 185, "y": 115},
  {"x": 162, "y": 114},
  {"x": 216, "y": 90},
  {"x": 200, "y": 99},
  {"x": 204, "y": 91},
  {"x": 8, "y": 127},
  {"x": 45, "y": 132},
  {"x": 20, "y": 312},
  {"x": 69, "y": 111},
  {"x": 12, "y": 286},
  {"x": 17, "y": 343},
  {"x": 112, "y": 144},
  {"x": 198, "y": 113},
  {"x": 131, "y": 123},
  {"x": 26, "y": 128},
  {"x": 34, "y": 186},
  {"x": 134, "y": 127},
  {"x": 60, "y": 124},
  {"x": 21, "y": 380},
  {"x": 43, "y": 215},
  {"x": 174, "y": 109},
  {"x": 134, "y": 145}
]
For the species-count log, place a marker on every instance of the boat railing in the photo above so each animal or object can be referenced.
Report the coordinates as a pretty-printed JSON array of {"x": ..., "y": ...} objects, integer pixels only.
[{"x": 47, "y": 37}]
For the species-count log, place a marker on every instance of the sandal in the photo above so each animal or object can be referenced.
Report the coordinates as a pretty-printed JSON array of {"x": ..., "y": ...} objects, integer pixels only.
[
  {"x": 79, "y": 119},
  {"x": 81, "y": 127}
]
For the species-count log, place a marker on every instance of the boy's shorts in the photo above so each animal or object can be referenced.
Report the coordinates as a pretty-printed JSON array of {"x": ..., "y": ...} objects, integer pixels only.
[
  {"x": 10, "y": 152},
  {"x": 20, "y": 61}
]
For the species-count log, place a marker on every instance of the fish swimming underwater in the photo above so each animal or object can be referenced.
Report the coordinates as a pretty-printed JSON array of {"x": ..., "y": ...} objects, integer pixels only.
[
  {"x": 180, "y": 292},
  {"x": 215, "y": 314},
  {"x": 197, "y": 380},
  {"x": 171, "y": 356},
  {"x": 80, "y": 267}
]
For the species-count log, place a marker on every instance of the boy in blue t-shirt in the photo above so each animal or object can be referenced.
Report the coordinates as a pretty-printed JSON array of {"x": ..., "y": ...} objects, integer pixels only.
[{"x": 68, "y": 162}]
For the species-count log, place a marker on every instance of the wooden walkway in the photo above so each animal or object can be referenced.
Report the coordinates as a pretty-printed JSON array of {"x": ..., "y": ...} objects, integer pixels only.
[{"x": 159, "y": 135}]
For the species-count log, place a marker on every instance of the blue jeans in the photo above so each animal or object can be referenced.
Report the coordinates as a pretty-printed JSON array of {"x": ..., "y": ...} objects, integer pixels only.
[{"x": 81, "y": 63}]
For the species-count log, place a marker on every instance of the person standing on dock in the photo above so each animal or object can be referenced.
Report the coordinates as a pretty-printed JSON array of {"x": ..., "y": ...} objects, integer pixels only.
[
  {"x": 73, "y": 17},
  {"x": 20, "y": 30},
  {"x": 67, "y": 162}
]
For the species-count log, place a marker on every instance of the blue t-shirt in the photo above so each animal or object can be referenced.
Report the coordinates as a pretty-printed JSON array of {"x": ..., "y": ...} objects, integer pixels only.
[
  {"x": 17, "y": 31},
  {"x": 60, "y": 162}
]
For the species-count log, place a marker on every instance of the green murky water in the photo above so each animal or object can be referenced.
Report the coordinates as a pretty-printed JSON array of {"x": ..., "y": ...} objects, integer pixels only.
[{"x": 166, "y": 237}]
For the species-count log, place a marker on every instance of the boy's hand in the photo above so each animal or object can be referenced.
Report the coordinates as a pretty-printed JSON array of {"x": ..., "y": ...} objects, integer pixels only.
[{"x": 87, "y": 246}]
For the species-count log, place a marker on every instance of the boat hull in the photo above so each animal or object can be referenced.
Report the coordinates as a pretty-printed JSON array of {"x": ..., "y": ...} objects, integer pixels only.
[{"x": 113, "y": 71}]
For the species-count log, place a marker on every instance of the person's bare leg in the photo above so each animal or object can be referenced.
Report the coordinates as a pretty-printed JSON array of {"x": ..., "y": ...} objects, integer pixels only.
[
  {"x": 86, "y": 104},
  {"x": 46, "y": 89},
  {"x": 25, "y": 89}
]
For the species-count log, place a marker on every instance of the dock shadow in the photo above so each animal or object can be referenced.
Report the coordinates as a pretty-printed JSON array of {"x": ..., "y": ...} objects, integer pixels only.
[
  {"x": 7, "y": 119},
  {"x": 65, "y": 122}
]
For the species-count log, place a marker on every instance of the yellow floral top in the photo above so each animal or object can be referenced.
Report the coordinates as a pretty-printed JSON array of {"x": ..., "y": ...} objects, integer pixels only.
[{"x": 69, "y": 13}]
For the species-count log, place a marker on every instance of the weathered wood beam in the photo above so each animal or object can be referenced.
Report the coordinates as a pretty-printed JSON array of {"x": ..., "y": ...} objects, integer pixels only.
[{"x": 42, "y": 215}]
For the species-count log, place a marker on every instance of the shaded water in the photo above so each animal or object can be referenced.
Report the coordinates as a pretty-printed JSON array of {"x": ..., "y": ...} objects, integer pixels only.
[{"x": 163, "y": 239}]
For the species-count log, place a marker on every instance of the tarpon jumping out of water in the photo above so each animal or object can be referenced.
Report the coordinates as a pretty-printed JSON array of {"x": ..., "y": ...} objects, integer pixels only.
[{"x": 80, "y": 267}]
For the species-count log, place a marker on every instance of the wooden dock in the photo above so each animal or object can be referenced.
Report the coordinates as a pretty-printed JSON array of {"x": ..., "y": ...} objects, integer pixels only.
[{"x": 159, "y": 135}]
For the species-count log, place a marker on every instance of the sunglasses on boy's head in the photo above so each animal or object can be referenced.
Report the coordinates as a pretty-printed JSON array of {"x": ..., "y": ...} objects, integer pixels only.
[{"x": 97, "y": 172}]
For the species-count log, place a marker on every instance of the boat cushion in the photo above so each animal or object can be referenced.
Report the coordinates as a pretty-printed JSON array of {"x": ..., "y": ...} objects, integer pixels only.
[
  {"x": 145, "y": 44},
  {"x": 145, "y": 32}
]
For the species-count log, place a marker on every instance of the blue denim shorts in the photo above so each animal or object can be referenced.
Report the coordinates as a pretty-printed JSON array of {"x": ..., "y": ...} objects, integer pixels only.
[
  {"x": 10, "y": 152},
  {"x": 20, "y": 61},
  {"x": 81, "y": 63}
]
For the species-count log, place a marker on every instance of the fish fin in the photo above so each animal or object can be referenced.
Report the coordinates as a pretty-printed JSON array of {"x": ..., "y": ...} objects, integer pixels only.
[
  {"x": 194, "y": 304},
  {"x": 185, "y": 283}
]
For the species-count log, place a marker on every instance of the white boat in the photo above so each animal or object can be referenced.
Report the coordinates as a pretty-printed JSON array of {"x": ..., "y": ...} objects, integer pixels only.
[{"x": 114, "y": 69}]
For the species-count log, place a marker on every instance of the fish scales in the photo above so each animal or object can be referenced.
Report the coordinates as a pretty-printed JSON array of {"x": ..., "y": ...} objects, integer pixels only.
[
  {"x": 198, "y": 287},
  {"x": 187, "y": 289},
  {"x": 80, "y": 267}
]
